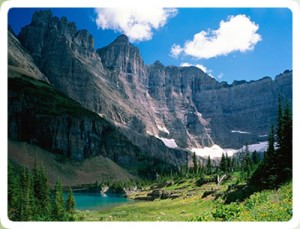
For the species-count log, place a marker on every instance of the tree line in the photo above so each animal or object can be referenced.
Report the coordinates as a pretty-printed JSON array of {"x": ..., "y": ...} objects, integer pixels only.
[
  {"x": 30, "y": 197},
  {"x": 276, "y": 168}
]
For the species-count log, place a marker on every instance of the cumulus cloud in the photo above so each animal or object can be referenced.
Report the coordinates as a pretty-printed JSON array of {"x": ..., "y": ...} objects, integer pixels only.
[
  {"x": 136, "y": 23},
  {"x": 176, "y": 50},
  {"x": 203, "y": 68},
  {"x": 200, "y": 66},
  {"x": 238, "y": 33}
]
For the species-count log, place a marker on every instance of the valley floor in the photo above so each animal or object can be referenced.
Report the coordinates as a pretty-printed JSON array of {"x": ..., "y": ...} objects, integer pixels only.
[{"x": 202, "y": 204}]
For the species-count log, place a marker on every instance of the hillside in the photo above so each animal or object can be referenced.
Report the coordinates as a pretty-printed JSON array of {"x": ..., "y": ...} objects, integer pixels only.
[
  {"x": 90, "y": 171},
  {"x": 200, "y": 203}
]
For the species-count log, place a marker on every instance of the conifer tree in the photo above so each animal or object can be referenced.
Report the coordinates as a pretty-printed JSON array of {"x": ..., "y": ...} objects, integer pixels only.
[
  {"x": 279, "y": 131},
  {"x": 13, "y": 193},
  {"x": 287, "y": 137},
  {"x": 26, "y": 201},
  {"x": 285, "y": 144},
  {"x": 223, "y": 166},
  {"x": 255, "y": 158},
  {"x": 208, "y": 166},
  {"x": 195, "y": 163},
  {"x": 266, "y": 175},
  {"x": 58, "y": 205},
  {"x": 44, "y": 200},
  {"x": 227, "y": 163},
  {"x": 70, "y": 203},
  {"x": 41, "y": 192}
]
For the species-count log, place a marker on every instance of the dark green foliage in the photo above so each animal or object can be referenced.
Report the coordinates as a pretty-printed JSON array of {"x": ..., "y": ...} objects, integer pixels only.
[
  {"x": 29, "y": 196},
  {"x": 26, "y": 206},
  {"x": 255, "y": 158},
  {"x": 276, "y": 168},
  {"x": 225, "y": 164},
  {"x": 195, "y": 163},
  {"x": 58, "y": 208},
  {"x": 285, "y": 148},
  {"x": 208, "y": 166},
  {"x": 41, "y": 192},
  {"x": 227, "y": 212},
  {"x": 247, "y": 164},
  {"x": 14, "y": 192}
]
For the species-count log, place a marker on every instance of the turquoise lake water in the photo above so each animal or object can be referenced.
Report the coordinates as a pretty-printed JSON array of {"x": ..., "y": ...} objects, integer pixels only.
[{"x": 94, "y": 201}]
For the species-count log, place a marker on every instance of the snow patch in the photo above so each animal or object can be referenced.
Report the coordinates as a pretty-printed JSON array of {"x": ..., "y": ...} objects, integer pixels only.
[
  {"x": 214, "y": 152},
  {"x": 263, "y": 135},
  {"x": 240, "y": 132},
  {"x": 163, "y": 129},
  {"x": 171, "y": 143},
  {"x": 101, "y": 115},
  {"x": 259, "y": 147}
]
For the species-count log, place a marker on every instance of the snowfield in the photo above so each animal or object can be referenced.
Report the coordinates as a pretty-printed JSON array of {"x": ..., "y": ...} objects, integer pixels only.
[
  {"x": 216, "y": 151},
  {"x": 168, "y": 142},
  {"x": 259, "y": 147}
]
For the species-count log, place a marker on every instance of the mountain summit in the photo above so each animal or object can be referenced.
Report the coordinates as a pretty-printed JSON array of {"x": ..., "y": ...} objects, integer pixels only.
[{"x": 122, "y": 39}]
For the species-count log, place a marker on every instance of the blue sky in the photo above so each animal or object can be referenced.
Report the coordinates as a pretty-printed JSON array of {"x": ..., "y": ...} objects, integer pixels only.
[{"x": 228, "y": 43}]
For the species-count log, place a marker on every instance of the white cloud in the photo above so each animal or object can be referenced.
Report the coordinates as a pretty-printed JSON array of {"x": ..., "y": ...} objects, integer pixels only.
[
  {"x": 176, "y": 50},
  {"x": 220, "y": 76},
  {"x": 238, "y": 33},
  {"x": 200, "y": 66},
  {"x": 137, "y": 24}
]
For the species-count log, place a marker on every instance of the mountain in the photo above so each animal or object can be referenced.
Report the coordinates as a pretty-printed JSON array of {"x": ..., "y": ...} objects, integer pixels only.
[
  {"x": 162, "y": 111},
  {"x": 180, "y": 103},
  {"x": 42, "y": 116}
]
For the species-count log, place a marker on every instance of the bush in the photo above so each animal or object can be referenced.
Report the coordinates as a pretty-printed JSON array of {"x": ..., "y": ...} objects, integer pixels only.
[
  {"x": 227, "y": 212},
  {"x": 268, "y": 205}
]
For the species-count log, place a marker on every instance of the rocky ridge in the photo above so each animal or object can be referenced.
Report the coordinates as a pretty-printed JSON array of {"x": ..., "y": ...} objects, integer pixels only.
[{"x": 180, "y": 107}]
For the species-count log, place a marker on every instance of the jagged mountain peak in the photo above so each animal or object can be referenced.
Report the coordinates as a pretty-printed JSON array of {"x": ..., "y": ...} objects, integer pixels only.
[
  {"x": 157, "y": 63},
  {"x": 41, "y": 17},
  {"x": 47, "y": 32},
  {"x": 122, "y": 39},
  {"x": 121, "y": 55}
]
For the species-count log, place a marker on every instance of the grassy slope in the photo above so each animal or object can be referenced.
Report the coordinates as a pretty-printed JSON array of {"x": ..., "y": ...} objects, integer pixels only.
[
  {"x": 269, "y": 205},
  {"x": 180, "y": 209}
]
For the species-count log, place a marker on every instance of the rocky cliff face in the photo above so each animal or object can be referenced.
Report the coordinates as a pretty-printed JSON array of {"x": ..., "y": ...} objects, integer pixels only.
[
  {"x": 65, "y": 55},
  {"x": 181, "y": 107},
  {"x": 20, "y": 60},
  {"x": 42, "y": 116},
  {"x": 243, "y": 113}
]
